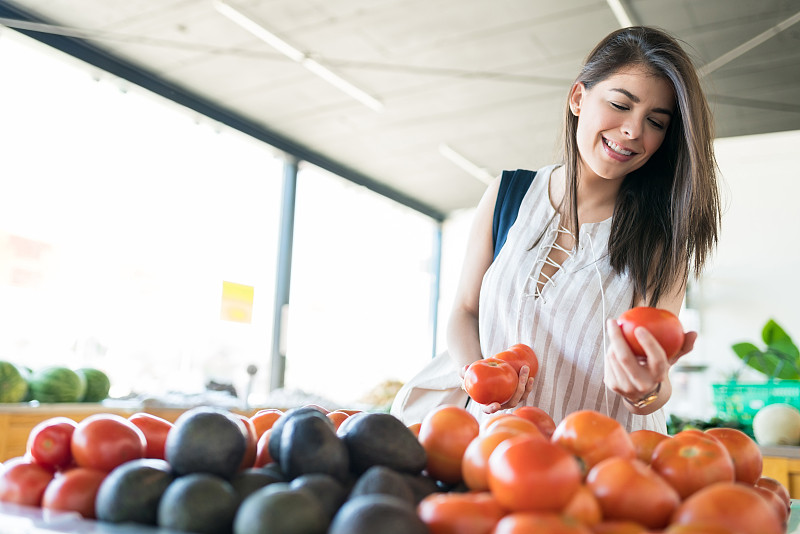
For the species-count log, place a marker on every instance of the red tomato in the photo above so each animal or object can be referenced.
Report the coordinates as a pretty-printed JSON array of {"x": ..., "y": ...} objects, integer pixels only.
[
  {"x": 104, "y": 441},
  {"x": 664, "y": 325},
  {"x": 773, "y": 485},
  {"x": 512, "y": 423},
  {"x": 731, "y": 505},
  {"x": 745, "y": 453},
  {"x": 249, "y": 458},
  {"x": 690, "y": 462},
  {"x": 414, "y": 428},
  {"x": 774, "y": 500},
  {"x": 262, "y": 450},
  {"x": 619, "y": 527},
  {"x": 155, "y": 430},
  {"x": 538, "y": 417},
  {"x": 264, "y": 419},
  {"x": 23, "y": 482},
  {"x": 592, "y": 437},
  {"x": 337, "y": 417},
  {"x": 628, "y": 490},
  {"x": 49, "y": 442},
  {"x": 529, "y": 522},
  {"x": 490, "y": 380},
  {"x": 74, "y": 491},
  {"x": 445, "y": 434},
  {"x": 644, "y": 441},
  {"x": 475, "y": 463},
  {"x": 584, "y": 507},
  {"x": 698, "y": 528},
  {"x": 519, "y": 355},
  {"x": 460, "y": 513},
  {"x": 528, "y": 473}
]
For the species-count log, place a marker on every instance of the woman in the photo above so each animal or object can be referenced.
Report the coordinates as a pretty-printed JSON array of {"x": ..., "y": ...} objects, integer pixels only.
[{"x": 621, "y": 223}]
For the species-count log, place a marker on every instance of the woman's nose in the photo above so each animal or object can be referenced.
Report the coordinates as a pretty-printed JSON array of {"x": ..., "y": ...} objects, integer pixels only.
[{"x": 631, "y": 128}]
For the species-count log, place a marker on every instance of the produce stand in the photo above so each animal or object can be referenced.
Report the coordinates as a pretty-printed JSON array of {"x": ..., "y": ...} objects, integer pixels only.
[{"x": 25, "y": 520}]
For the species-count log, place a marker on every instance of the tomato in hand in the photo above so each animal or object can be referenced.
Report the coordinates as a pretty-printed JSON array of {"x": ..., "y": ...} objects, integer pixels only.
[
  {"x": 538, "y": 417},
  {"x": 74, "y": 490},
  {"x": 529, "y": 473},
  {"x": 463, "y": 513},
  {"x": 663, "y": 324},
  {"x": 49, "y": 442},
  {"x": 593, "y": 437},
  {"x": 490, "y": 380},
  {"x": 104, "y": 441},
  {"x": 690, "y": 462},
  {"x": 628, "y": 490},
  {"x": 445, "y": 434},
  {"x": 519, "y": 355},
  {"x": 745, "y": 453},
  {"x": 731, "y": 505},
  {"x": 23, "y": 482},
  {"x": 155, "y": 430}
]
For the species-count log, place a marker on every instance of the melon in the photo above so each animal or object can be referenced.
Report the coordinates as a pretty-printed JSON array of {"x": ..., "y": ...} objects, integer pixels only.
[
  {"x": 777, "y": 424},
  {"x": 57, "y": 384},
  {"x": 97, "y": 384},
  {"x": 13, "y": 386}
]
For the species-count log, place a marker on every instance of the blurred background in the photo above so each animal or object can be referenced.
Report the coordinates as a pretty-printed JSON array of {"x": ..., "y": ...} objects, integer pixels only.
[{"x": 189, "y": 188}]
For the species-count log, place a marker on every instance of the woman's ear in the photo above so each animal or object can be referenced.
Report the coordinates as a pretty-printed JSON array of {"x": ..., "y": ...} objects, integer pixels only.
[{"x": 576, "y": 95}]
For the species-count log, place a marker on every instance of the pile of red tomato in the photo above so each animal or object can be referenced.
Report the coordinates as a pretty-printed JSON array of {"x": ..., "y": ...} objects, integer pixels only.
[{"x": 587, "y": 475}]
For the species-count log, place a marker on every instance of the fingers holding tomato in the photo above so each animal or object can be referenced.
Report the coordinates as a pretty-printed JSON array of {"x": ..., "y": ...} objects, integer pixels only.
[
  {"x": 663, "y": 325},
  {"x": 490, "y": 381}
]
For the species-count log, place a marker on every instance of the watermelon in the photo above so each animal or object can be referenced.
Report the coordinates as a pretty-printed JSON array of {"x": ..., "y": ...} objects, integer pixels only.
[
  {"x": 13, "y": 386},
  {"x": 97, "y": 384},
  {"x": 57, "y": 384}
]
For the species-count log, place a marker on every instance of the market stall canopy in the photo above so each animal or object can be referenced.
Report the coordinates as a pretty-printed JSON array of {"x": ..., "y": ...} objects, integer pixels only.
[{"x": 427, "y": 99}]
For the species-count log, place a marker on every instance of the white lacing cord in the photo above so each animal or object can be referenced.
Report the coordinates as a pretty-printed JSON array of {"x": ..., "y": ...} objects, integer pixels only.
[
  {"x": 603, "y": 325},
  {"x": 539, "y": 286}
]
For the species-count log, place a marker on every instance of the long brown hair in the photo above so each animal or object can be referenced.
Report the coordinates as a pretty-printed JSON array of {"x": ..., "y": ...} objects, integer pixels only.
[{"x": 667, "y": 212}]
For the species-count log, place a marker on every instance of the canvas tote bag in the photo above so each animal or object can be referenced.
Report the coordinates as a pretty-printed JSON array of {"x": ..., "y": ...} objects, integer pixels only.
[{"x": 436, "y": 384}]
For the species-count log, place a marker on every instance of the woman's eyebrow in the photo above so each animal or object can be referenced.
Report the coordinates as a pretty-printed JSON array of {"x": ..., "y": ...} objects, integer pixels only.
[{"x": 636, "y": 100}]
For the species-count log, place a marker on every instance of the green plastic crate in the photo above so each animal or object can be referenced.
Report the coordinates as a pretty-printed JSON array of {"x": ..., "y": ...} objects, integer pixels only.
[{"x": 740, "y": 402}]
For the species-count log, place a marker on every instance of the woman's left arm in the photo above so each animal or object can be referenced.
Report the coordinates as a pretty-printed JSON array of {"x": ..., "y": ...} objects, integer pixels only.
[{"x": 645, "y": 387}]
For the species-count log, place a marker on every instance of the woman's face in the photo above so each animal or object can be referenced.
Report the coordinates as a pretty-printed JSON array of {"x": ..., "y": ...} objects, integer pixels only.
[{"x": 622, "y": 121}]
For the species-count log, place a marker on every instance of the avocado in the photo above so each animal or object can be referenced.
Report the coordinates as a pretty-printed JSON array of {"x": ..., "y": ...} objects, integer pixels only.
[
  {"x": 200, "y": 502},
  {"x": 329, "y": 492},
  {"x": 376, "y": 513},
  {"x": 280, "y": 511},
  {"x": 206, "y": 440},
  {"x": 421, "y": 485},
  {"x": 309, "y": 444},
  {"x": 382, "y": 439},
  {"x": 249, "y": 480},
  {"x": 385, "y": 481},
  {"x": 274, "y": 443},
  {"x": 132, "y": 491},
  {"x": 273, "y": 469}
]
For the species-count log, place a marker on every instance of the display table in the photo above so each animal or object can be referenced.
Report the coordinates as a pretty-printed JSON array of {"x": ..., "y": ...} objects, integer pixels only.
[
  {"x": 783, "y": 464},
  {"x": 24, "y": 520}
]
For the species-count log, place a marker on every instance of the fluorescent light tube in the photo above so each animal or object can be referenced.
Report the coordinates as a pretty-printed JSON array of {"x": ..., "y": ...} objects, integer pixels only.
[
  {"x": 478, "y": 172},
  {"x": 295, "y": 54}
]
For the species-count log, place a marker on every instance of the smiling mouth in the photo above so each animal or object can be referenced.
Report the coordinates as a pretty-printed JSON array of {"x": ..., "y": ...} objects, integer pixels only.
[{"x": 616, "y": 148}]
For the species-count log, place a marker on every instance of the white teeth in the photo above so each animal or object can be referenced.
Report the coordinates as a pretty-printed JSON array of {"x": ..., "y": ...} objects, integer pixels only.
[{"x": 616, "y": 148}]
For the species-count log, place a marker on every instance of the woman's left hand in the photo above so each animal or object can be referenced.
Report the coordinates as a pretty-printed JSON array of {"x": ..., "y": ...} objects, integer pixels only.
[{"x": 626, "y": 374}]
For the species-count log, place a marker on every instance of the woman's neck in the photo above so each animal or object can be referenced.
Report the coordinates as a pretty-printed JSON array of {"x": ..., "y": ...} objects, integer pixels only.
[{"x": 597, "y": 196}]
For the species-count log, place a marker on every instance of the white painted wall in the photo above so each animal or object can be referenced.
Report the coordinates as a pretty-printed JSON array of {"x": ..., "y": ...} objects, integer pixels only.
[{"x": 753, "y": 276}]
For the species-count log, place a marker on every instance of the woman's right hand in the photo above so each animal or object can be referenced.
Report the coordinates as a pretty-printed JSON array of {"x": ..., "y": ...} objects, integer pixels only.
[{"x": 524, "y": 387}]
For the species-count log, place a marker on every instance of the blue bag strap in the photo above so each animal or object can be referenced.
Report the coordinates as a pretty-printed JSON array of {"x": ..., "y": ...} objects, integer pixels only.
[{"x": 513, "y": 186}]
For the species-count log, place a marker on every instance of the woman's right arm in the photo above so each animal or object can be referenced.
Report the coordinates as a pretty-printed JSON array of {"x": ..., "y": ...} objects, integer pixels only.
[{"x": 462, "y": 329}]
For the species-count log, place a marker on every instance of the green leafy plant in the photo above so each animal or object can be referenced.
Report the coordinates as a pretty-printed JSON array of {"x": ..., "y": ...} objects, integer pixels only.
[{"x": 780, "y": 358}]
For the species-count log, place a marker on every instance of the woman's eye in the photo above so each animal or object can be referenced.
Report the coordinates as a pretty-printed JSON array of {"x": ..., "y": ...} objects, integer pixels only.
[
  {"x": 657, "y": 124},
  {"x": 619, "y": 106}
]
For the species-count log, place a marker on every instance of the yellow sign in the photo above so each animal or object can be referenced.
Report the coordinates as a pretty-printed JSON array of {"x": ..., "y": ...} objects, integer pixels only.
[{"x": 237, "y": 303}]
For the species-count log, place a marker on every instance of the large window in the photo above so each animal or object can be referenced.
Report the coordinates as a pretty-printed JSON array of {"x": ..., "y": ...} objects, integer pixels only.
[
  {"x": 121, "y": 215},
  {"x": 362, "y": 279}
]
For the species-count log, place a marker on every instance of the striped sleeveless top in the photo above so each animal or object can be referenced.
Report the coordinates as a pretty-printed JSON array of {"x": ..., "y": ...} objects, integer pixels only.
[{"x": 562, "y": 320}]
